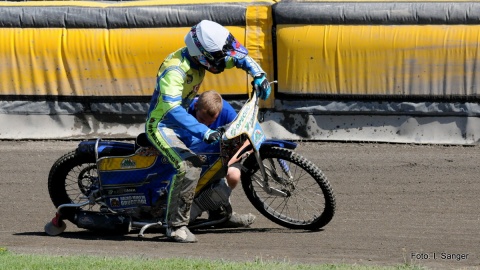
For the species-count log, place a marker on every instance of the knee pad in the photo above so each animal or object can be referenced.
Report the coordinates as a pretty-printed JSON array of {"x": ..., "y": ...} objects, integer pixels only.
[{"x": 192, "y": 172}]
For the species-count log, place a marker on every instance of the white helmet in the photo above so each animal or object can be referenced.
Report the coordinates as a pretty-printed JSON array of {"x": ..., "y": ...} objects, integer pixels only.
[{"x": 210, "y": 43}]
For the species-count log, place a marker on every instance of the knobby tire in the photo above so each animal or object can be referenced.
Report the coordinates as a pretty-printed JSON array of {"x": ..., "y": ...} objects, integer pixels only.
[{"x": 309, "y": 202}]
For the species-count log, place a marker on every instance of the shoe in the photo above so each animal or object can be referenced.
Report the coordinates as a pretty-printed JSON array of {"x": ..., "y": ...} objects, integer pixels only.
[
  {"x": 181, "y": 234},
  {"x": 238, "y": 221}
]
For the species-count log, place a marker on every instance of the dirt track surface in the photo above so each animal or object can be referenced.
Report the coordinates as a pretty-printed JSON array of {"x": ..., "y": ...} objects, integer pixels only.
[{"x": 395, "y": 204}]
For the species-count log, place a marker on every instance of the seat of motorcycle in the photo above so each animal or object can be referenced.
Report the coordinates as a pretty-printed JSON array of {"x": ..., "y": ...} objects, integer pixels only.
[{"x": 142, "y": 141}]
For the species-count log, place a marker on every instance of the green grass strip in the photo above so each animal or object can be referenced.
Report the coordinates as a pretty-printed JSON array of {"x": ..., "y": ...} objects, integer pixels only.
[{"x": 11, "y": 261}]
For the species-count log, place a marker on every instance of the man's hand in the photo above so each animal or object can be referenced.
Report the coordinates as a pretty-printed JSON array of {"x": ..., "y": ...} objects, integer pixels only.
[
  {"x": 263, "y": 86},
  {"x": 211, "y": 136}
]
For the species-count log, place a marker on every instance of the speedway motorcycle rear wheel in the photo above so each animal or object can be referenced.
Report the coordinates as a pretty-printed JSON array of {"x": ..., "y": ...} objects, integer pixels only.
[
  {"x": 70, "y": 180},
  {"x": 300, "y": 196}
]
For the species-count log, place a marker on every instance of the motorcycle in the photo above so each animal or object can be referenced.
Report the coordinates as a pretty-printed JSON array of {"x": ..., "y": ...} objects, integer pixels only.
[{"x": 117, "y": 186}]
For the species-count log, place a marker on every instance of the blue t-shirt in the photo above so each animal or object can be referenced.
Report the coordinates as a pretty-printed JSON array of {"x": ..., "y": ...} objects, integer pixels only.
[{"x": 226, "y": 116}]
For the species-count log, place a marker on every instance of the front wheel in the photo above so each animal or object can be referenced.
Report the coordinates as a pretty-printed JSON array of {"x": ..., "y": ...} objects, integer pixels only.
[{"x": 297, "y": 194}]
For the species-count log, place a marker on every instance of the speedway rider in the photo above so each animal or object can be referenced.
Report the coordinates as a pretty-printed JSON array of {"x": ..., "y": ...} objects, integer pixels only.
[{"x": 210, "y": 47}]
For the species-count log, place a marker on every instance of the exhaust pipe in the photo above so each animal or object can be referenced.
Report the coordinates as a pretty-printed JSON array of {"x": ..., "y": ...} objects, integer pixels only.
[{"x": 110, "y": 222}]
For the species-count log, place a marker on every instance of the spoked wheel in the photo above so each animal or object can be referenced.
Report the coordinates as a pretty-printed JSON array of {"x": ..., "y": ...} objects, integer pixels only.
[
  {"x": 297, "y": 194},
  {"x": 71, "y": 179},
  {"x": 87, "y": 177}
]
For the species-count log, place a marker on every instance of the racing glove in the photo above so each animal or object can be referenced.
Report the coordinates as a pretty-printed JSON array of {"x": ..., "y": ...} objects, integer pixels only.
[
  {"x": 263, "y": 86},
  {"x": 211, "y": 136}
]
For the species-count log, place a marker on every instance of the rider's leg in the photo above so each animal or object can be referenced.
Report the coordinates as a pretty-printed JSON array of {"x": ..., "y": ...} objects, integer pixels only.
[
  {"x": 233, "y": 175},
  {"x": 181, "y": 193},
  {"x": 182, "y": 186},
  {"x": 236, "y": 220}
]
